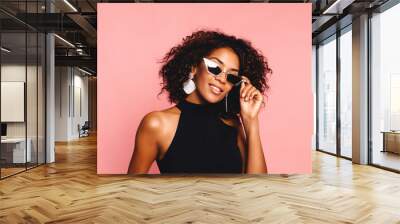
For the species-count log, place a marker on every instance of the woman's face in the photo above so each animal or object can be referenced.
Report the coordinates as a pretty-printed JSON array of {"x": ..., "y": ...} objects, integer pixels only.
[{"x": 214, "y": 88}]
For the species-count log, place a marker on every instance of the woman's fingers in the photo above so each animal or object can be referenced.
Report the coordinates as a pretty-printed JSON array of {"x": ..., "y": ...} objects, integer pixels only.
[
  {"x": 251, "y": 93},
  {"x": 245, "y": 90}
]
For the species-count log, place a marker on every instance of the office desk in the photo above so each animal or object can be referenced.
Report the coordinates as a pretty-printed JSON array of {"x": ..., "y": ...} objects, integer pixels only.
[
  {"x": 13, "y": 150},
  {"x": 391, "y": 141}
]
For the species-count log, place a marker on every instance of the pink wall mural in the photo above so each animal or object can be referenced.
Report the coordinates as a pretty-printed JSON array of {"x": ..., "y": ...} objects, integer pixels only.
[{"x": 133, "y": 37}]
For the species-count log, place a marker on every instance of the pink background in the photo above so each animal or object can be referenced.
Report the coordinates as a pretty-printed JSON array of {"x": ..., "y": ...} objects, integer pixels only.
[{"x": 133, "y": 37}]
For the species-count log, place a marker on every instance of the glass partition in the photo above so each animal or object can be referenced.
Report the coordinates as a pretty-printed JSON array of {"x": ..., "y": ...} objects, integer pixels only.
[
  {"x": 41, "y": 87},
  {"x": 13, "y": 109},
  {"x": 22, "y": 77},
  {"x": 31, "y": 100}
]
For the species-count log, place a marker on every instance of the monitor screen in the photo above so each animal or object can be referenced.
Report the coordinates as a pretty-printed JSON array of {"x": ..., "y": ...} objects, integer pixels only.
[{"x": 3, "y": 129}]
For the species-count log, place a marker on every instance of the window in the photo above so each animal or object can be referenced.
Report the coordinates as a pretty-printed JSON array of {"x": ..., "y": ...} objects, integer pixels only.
[
  {"x": 385, "y": 88},
  {"x": 327, "y": 95},
  {"x": 346, "y": 92}
]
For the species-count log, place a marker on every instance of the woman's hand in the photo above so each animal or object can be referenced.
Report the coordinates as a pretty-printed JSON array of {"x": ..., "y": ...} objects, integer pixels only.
[{"x": 250, "y": 100}]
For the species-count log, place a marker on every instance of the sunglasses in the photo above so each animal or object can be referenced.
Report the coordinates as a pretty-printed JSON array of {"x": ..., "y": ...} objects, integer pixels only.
[{"x": 214, "y": 69}]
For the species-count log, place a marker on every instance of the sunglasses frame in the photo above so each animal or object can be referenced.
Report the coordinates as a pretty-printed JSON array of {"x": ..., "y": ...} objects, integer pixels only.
[{"x": 229, "y": 77}]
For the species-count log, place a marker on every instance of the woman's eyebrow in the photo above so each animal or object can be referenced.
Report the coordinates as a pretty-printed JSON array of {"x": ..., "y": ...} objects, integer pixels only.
[
  {"x": 233, "y": 69},
  {"x": 217, "y": 59}
]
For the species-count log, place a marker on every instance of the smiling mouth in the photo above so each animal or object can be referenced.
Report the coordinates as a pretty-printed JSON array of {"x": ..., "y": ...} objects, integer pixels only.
[{"x": 215, "y": 89}]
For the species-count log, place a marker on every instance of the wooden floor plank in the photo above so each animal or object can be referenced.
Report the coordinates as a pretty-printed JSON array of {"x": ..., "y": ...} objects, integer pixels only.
[{"x": 70, "y": 191}]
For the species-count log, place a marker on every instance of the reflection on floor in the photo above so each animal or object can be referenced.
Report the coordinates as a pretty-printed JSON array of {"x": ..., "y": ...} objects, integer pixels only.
[
  {"x": 70, "y": 191},
  {"x": 11, "y": 169},
  {"x": 386, "y": 159}
]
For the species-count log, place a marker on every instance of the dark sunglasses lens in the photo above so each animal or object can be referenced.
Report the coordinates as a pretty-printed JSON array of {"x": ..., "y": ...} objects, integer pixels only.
[
  {"x": 214, "y": 70},
  {"x": 234, "y": 79}
]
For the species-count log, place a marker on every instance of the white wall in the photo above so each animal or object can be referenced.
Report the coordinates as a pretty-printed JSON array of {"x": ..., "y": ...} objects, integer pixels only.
[
  {"x": 62, "y": 81},
  {"x": 12, "y": 73},
  {"x": 71, "y": 92},
  {"x": 79, "y": 117},
  {"x": 15, "y": 72}
]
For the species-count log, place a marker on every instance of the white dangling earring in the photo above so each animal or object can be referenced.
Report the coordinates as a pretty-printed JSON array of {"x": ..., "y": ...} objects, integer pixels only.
[{"x": 189, "y": 85}]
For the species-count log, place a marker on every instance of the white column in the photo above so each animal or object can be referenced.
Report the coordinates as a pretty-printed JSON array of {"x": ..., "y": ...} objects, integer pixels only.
[
  {"x": 360, "y": 90},
  {"x": 50, "y": 91}
]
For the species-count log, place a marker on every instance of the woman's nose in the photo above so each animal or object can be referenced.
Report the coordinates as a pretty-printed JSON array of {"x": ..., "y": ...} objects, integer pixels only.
[{"x": 221, "y": 77}]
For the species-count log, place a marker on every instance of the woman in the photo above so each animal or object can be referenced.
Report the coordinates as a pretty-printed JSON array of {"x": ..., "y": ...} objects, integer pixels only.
[{"x": 192, "y": 136}]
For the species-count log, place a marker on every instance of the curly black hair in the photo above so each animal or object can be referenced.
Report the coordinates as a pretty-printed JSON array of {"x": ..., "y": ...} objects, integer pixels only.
[{"x": 177, "y": 63}]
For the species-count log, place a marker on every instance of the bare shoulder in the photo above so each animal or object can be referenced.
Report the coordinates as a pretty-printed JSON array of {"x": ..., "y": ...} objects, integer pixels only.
[{"x": 156, "y": 121}]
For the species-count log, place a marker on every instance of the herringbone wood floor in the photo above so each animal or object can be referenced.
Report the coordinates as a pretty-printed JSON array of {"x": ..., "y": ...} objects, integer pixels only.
[{"x": 69, "y": 191}]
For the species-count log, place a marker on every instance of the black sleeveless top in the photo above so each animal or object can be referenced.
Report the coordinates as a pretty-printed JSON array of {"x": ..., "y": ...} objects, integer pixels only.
[{"x": 203, "y": 143}]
